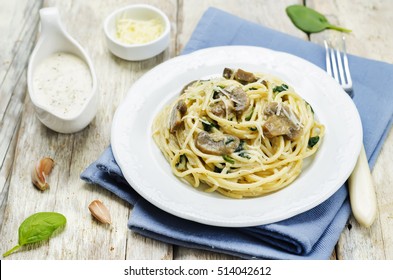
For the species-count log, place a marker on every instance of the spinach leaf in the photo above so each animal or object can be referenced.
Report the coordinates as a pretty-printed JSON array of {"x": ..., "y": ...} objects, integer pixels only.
[
  {"x": 313, "y": 141},
  {"x": 216, "y": 94},
  {"x": 38, "y": 227},
  {"x": 281, "y": 88},
  {"x": 229, "y": 140},
  {"x": 207, "y": 125},
  {"x": 217, "y": 169},
  {"x": 244, "y": 155},
  {"x": 240, "y": 147},
  {"x": 309, "y": 20},
  {"x": 228, "y": 159},
  {"x": 250, "y": 115},
  {"x": 312, "y": 110},
  {"x": 182, "y": 163}
]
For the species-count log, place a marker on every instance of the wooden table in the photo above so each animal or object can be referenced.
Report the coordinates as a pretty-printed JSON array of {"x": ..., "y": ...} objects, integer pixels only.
[{"x": 23, "y": 139}]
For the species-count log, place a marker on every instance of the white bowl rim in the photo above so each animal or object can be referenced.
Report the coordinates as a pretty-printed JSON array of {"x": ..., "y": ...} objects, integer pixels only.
[{"x": 148, "y": 7}]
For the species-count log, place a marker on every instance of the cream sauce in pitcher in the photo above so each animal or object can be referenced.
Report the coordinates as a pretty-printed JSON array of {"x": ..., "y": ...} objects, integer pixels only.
[{"x": 63, "y": 83}]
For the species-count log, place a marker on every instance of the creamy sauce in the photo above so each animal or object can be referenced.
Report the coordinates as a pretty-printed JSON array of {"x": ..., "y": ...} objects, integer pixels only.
[{"x": 63, "y": 83}]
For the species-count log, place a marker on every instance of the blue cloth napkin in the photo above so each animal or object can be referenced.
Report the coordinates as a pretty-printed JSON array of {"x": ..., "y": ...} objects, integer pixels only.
[{"x": 310, "y": 235}]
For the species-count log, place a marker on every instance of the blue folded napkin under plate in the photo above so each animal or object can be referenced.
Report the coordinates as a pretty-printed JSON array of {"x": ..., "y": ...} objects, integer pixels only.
[{"x": 310, "y": 235}]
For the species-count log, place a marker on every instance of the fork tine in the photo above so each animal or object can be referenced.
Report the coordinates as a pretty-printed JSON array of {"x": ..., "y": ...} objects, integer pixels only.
[
  {"x": 340, "y": 66},
  {"x": 328, "y": 63},
  {"x": 346, "y": 66},
  {"x": 331, "y": 63},
  {"x": 334, "y": 65}
]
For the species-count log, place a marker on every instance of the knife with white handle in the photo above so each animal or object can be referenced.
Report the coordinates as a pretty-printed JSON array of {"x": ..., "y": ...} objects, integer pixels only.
[{"x": 362, "y": 193}]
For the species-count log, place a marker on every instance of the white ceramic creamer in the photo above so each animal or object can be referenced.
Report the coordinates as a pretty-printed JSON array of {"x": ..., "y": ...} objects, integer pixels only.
[{"x": 61, "y": 79}]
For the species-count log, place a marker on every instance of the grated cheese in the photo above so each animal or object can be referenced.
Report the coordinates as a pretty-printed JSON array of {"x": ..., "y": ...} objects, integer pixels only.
[{"x": 132, "y": 31}]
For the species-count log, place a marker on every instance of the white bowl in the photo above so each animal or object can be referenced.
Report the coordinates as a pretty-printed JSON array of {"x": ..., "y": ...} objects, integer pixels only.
[{"x": 136, "y": 52}]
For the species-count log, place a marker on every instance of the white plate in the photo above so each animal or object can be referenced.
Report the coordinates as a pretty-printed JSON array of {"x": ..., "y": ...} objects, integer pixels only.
[{"x": 147, "y": 171}]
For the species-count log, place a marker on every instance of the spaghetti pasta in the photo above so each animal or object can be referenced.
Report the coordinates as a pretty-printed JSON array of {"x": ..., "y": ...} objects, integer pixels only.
[{"x": 242, "y": 135}]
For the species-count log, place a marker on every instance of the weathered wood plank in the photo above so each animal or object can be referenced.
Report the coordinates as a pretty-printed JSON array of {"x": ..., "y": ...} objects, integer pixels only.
[
  {"x": 16, "y": 44},
  {"x": 383, "y": 180},
  {"x": 18, "y": 28}
]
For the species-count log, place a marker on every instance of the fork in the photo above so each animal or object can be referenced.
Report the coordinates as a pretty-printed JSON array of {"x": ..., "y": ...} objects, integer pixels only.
[
  {"x": 337, "y": 66},
  {"x": 360, "y": 185}
]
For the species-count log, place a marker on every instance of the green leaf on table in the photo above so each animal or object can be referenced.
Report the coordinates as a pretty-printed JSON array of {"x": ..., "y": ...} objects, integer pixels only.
[
  {"x": 309, "y": 20},
  {"x": 38, "y": 227}
]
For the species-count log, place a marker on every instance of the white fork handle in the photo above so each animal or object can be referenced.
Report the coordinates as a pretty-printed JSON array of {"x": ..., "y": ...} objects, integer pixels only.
[{"x": 362, "y": 192}]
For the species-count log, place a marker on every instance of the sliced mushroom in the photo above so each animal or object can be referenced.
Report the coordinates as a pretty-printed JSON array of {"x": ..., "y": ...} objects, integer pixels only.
[
  {"x": 239, "y": 75},
  {"x": 178, "y": 111},
  {"x": 281, "y": 120},
  {"x": 245, "y": 77},
  {"x": 271, "y": 108},
  {"x": 218, "y": 108},
  {"x": 216, "y": 144},
  {"x": 239, "y": 98},
  {"x": 227, "y": 74}
]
